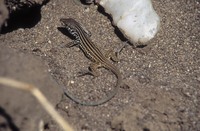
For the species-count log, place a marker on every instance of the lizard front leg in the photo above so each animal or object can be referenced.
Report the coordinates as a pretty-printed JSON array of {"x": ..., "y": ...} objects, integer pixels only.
[{"x": 73, "y": 43}]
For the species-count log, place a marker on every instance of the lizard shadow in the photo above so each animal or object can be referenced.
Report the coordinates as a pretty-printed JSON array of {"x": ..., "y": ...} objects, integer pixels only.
[{"x": 65, "y": 32}]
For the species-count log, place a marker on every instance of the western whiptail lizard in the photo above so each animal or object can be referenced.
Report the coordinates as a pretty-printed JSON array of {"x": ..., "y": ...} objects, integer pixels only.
[{"x": 93, "y": 53}]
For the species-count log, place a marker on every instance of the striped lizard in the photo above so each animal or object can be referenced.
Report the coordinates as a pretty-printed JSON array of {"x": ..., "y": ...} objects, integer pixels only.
[{"x": 93, "y": 53}]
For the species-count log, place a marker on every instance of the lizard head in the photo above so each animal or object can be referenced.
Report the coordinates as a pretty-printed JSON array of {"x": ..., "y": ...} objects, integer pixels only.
[{"x": 70, "y": 24}]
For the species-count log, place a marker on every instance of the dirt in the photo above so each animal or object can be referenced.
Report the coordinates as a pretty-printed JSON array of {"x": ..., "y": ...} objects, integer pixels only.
[{"x": 163, "y": 77}]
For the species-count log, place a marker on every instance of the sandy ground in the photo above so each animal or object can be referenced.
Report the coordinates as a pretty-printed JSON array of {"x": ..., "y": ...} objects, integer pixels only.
[{"x": 163, "y": 77}]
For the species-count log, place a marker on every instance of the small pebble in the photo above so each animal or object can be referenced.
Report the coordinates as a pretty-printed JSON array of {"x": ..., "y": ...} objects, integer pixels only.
[
  {"x": 77, "y": 2},
  {"x": 198, "y": 78},
  {"x": 21, "y": 29},
  {"x": 87, "y": 9}
]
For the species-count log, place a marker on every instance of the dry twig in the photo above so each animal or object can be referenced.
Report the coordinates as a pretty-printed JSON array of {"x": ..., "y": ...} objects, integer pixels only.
[{"x": 41, "y": 98}]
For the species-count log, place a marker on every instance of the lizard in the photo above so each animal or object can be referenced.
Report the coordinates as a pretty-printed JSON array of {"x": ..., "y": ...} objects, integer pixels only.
[{"x": 92, "y": 52}]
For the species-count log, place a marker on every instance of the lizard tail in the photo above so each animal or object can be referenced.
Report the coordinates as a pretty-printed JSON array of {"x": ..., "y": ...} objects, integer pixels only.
[{"x": 119, "y": 81}]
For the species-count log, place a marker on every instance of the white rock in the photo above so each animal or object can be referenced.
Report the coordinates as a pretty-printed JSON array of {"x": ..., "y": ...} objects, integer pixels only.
[{"x": 137, "y": 19}]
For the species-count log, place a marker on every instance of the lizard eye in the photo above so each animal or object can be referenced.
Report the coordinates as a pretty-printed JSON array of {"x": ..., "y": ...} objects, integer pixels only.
[{"x": 63, "y": 23}]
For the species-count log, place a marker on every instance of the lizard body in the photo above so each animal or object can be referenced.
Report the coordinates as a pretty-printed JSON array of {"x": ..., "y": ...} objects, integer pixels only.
[{"x": 93, "y": 53}]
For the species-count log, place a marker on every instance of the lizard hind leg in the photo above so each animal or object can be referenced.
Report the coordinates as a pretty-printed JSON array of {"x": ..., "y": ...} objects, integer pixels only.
[
  {"x": 110, "y": 54},
  {"x": 93, "y": 67}
]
